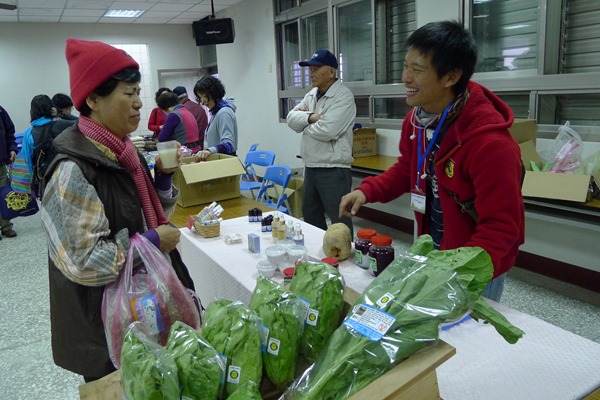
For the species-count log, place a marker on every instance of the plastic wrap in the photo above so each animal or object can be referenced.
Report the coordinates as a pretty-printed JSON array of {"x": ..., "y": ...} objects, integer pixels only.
[
  {"x": 398, "y": 314},
  {"x": 564, "y": 155},
  {"x": 233, "y": 330},
  {"x": 200, "y": 368},
  {"x": 247, "y": 391},
  {"x": 148, "y": 371},
  {"x": 283, "y": 314},
  {"x": 147, "y": 290},
  {"x": 322, "y": 287}
]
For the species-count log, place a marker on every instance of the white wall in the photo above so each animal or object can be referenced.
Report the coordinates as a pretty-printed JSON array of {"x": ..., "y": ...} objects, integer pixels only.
[{"x": 33, "y": 57}]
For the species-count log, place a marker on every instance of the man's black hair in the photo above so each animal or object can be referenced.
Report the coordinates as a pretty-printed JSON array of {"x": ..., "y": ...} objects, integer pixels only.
[
  {"x": 450, "y": 46},
  {"x": 166, "y": 100},
  {"x": 61, "y": 100}
]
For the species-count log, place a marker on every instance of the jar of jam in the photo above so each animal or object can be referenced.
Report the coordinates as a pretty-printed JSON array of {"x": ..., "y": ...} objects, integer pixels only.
[
  {"x": 288, "y": 274},
  {"x": 362, "y": 244},
  {"x": 381, "y": 253}
]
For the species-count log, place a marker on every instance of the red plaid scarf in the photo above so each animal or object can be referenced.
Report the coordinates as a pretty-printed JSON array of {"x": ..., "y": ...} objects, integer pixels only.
[{"x": 127, "y": 156}]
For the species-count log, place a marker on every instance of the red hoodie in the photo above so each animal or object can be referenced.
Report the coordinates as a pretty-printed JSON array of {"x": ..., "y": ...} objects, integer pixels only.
[{"x": 478, "y": 159}]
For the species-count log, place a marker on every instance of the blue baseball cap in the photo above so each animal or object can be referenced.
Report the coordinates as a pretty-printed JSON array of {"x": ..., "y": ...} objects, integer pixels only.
[{"x": 321, "y": 57}]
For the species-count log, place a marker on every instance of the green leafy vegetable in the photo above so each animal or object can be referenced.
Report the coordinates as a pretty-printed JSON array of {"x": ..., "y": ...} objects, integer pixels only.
[
  {"x": 484, "y": 311},
  {"x": 148, "y": 372},
  {"x": 408, "y": 301},
  {"x": 247, "y": 391},
  {"x": 198, "y": 364},
  {"x": 233, "y": 330},
  {"x": 322, "y": 287},
  {"x": 282, "y": 313}
]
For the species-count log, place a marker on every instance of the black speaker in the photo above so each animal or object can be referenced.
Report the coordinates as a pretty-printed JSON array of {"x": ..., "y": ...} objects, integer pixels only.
[{"x": 213, "y": 31}]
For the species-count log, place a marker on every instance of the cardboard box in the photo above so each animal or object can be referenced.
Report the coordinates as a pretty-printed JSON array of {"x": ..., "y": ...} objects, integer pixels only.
[
  {"x": 556, "y": 186},
  {"x": 294, "y": 194},
  {"x": 414, "y": 378},
  {"x": 364, "y": 142},
  {"x": 524, "y": 130},
  {"x": 217, "y": 178}
]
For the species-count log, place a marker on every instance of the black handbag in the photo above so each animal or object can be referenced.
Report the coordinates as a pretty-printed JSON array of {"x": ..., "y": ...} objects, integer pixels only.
[{"x": 14, "y": 204}]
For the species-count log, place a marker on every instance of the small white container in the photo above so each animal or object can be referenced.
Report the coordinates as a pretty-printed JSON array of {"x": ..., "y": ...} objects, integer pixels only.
[
  {"x": 276, "y": 255},
  {"x": 265, "y": 268},
  {"x": 296, "y": 252}
]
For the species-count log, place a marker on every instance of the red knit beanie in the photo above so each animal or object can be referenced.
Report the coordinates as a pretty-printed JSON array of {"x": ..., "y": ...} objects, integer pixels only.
[{"x": 91, "y": 64}]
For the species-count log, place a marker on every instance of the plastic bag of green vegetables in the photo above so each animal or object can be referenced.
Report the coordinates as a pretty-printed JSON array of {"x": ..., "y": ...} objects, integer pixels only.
[
  {"x": 199, "y": 367},
  {"x": 148, "y": 371},
  {"x": 283, "y": 314},
  {"x": 246, "y": 391},
  {"x": 398, "y": 314},
  {"x": 322, "y": 287},
  {"x": 233, "y": 330}
]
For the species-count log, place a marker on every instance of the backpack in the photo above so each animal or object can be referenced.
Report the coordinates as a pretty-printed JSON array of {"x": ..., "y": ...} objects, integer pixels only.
[{"x": 44, "y": 151}]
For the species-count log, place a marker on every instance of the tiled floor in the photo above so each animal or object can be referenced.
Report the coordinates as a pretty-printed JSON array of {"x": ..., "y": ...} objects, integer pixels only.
[{"x": 26, "y": 367}]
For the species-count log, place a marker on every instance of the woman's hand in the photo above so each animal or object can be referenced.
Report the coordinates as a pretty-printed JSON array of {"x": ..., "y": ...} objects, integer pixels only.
[
  {"x": 351, "y": 202},
  {"x": 158, "y": 163},
  {"x": 169, "y": 237}
]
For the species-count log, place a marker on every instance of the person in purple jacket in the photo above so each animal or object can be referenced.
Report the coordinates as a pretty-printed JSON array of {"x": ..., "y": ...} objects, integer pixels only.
[
  {"x": 180, "y": 124},
  {"x": 8, "y": 154}
]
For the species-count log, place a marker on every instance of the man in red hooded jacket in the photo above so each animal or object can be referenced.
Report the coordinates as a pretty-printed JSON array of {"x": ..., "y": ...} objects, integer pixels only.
[{"x": 457, "y": 158}]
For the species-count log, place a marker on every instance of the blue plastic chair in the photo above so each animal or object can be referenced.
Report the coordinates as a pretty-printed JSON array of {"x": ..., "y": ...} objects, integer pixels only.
[
  {"x": 253, "y": 147},
  {"x": 250, "y": 181},
  {"x": 275, "y": 175}
]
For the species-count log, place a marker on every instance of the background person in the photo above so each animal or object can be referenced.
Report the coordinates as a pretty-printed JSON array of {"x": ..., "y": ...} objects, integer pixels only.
[
  {"x": 8, "y": 154},
  {"x": 455, "y": 149},
  {"x": 325, "y": 118},
  {"x": 222, "y": 132},
  {"x": 99, "y": 194},
  {"x": 198, "y": 111},
  {"x": 157, "y": 116},
  {"x": 64, "y": 106},
  {"x": 180, "y": 124}
]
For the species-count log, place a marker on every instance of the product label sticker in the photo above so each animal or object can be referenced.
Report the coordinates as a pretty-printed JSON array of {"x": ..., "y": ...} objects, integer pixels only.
[
  {"x": 358, "y": 257},
  {"x": 264, "y": 336},
  {"x": 233, "y": 374},
  {"x": 145, "y": 310},
  {"x": 369, "y": 322},
  {"x": 273, "y": 347},
  {"x": 306, "y": 306},
  {"x": 384, "y": 300},
  {"x": 313, "y": 317}
]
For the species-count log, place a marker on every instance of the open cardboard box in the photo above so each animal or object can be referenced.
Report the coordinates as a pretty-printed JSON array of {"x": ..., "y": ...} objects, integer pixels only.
[
  {"x": 412, "y": 379},
  {"x": 364, "y": 142},
  {"x": 556, "y": 186},
  {"x": 217, "y": 178}
]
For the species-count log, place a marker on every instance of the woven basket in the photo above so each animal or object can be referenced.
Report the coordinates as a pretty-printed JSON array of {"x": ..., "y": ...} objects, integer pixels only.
[{"x": 208, "y": 231}]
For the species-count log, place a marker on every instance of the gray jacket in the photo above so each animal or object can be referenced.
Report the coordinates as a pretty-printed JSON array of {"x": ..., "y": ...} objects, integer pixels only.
[{"x": 326, "y": 143}]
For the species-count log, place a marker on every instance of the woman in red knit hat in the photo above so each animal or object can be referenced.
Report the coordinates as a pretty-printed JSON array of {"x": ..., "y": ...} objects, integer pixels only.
[{"x": 99, "y": 193}]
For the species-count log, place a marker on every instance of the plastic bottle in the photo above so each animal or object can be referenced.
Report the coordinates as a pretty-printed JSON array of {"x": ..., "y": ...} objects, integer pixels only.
[
  {"x": 381, "y": 253},
  {"x": 275, "y": 226},
  {"x": 289, "y": 229},
  {"x": 298, "y": 236},
  {"x": 281, "y": 229},
  {"x": 362, "y": 244}
]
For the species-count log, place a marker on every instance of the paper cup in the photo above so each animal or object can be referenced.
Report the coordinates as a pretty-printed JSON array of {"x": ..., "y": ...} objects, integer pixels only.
[{"x": 168, "y": 153}]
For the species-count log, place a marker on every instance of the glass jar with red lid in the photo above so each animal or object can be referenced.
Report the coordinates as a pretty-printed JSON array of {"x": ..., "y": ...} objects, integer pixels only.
[
  {"x": 362, "y": 244},
  {"x": 381, "y": 253}
]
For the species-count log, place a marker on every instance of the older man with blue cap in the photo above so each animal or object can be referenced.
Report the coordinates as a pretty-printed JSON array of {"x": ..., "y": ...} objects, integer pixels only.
[{"x": 325, "y": 118}]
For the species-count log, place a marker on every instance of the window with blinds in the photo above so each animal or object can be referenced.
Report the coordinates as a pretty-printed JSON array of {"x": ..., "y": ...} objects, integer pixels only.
[
  {"x": 580, "y": 47},
  {"x": 506, "y": 34}
]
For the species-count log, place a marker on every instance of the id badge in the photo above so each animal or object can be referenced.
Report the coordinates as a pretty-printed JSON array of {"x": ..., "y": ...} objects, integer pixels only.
[{"x": 417, "y": 201}]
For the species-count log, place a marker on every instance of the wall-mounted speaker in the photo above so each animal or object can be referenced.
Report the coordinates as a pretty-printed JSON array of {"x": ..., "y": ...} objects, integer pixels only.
[{"x": 213, "y": 31}]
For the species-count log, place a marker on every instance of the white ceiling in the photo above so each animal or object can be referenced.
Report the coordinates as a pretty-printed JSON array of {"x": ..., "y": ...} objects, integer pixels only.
[{"x": 92, "y": 11}]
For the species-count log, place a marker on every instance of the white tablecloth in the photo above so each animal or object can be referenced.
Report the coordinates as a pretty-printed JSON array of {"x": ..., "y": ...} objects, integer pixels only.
[
  {"x": 548, "y": 363},
  {"x": 223, "y": 270}
]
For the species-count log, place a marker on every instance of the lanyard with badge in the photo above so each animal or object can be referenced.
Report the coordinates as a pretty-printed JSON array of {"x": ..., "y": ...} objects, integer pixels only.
[{"x": 417, "y": 197}]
